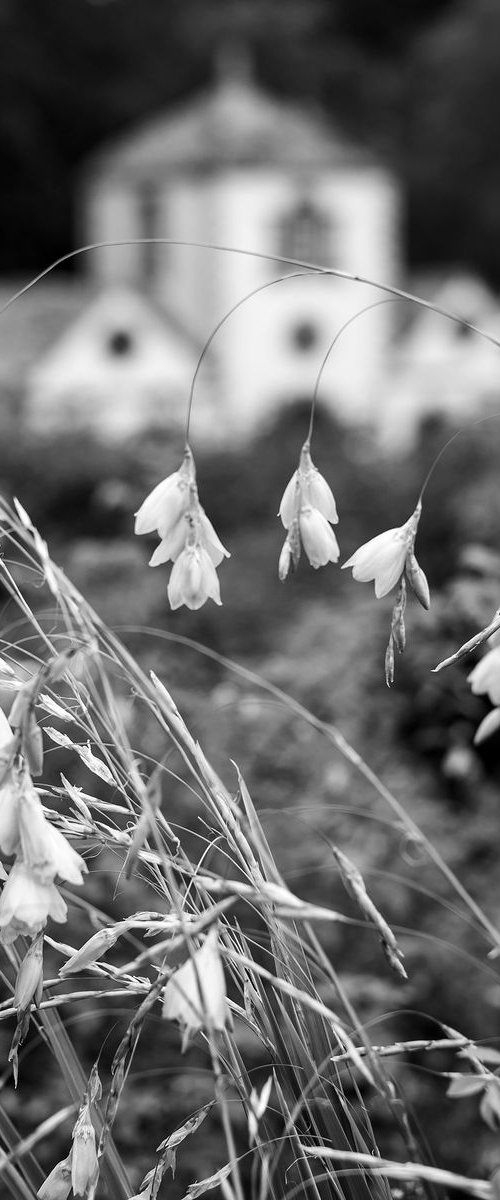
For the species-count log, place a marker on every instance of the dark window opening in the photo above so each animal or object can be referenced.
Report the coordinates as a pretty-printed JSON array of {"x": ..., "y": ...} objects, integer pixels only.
[
  {"x": 304, "y": 336},
  {"x": 304, "y": 234},
  {"x": 463, "y": 332},
  {"x": 120, "y": 343}
]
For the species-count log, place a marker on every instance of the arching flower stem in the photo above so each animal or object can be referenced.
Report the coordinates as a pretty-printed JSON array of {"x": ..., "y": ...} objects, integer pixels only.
[{"x": 249, "y": 296}]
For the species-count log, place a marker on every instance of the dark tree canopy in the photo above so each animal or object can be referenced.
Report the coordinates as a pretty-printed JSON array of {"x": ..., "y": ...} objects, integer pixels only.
[{"x": 418, "y": 82}]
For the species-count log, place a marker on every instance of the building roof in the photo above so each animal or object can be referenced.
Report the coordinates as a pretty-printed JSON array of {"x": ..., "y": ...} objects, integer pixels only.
[
  {"x": 235, "y": 122},
  {"x": 30, "y": 326}
]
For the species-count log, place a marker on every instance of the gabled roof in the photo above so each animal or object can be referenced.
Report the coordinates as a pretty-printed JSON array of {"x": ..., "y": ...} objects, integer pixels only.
[
  {"x": 235, "y": 123},
  {"x": 29, "y": 327}
]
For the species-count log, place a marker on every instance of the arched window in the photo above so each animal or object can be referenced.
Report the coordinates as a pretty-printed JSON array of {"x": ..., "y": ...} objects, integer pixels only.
[{"x": 304, "y": 233}]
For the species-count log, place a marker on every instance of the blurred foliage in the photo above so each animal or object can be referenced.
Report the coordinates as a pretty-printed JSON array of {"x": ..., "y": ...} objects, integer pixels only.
[{"x": 320, "y": 637}]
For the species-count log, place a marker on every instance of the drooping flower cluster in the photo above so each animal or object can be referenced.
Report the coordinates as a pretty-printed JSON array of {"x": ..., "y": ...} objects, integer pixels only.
[
  {"x": 485, "y": 681},
  {"x": 308, "y": 511},
  {"x": 195, "y": 995},
  {"x": 388, "y": 560},
  {"x": 41, "y": 852},
  {"x": 188, "y": 538}
]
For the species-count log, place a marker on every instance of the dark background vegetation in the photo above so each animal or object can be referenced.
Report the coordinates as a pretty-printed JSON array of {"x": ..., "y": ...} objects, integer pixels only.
[
  {"x": 418, "y": 81},
  {"x": 321, "y": 638}
]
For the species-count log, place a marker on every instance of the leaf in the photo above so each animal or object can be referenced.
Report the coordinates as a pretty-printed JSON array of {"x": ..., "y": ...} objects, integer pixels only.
[
  {"x": 56, "y": 710},
  {"x": 169, "y": 1147},
  {"x": 490, "y": 1105},
  {"x": 465, "y": 1085},
  {"x": 22, "y": 514},
  {"x": 84, "y": 752},
  {"x": 206, "y": 1185},
  {"x": 95, "y": 764},
  {"x": 485, "y": 1054}
]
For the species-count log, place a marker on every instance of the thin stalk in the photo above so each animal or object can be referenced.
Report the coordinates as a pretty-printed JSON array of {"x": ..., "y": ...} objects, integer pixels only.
[{"x": 276, "y": 258}]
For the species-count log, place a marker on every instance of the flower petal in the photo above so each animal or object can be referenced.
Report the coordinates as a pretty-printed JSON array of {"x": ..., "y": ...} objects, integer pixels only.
[
  {"x": 152, "y": 508},
  {"x": 288, "y": 507},
  {"x": 485, "y": 677},
  {"x": 320, "y": 496},
  {"x": 318, "y": 538},
  {"x": 193, "y": 579},
  {"x": 171, "y": 546},
  {"x": 488, "y": 726},
  {"x": 210, "y": 540}
]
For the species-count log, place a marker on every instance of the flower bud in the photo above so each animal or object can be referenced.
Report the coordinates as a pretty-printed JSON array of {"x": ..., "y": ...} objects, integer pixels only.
[
  {"x": 285, "y": 560},
  {"x": 32, "y": 745},
  {"x": 29, "y": 982},
  {"x": 57, "y": 1185},
  {"x": 84, "y": 1163},
  {"x": 417, "y": 580},
  {"x": 93, "y": 949},
  {"x": 389, "y": 662}
]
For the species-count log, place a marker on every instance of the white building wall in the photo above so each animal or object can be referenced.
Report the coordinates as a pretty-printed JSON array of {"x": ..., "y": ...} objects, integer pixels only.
[
  {"x": 259, "y": 366},
  {"x": 111, "y": 216}
]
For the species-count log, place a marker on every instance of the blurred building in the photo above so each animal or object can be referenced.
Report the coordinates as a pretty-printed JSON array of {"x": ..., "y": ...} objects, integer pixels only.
[
  {"x": 236, "y": 167},
  {"x": 440, "y": 367}
]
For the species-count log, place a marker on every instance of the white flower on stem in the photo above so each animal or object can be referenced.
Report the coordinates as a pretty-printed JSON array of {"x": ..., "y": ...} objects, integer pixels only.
[
  {"x": 44, "y": 849},
  {"x": 307, "y": 511},
  {"x": 196, "y": 994},
  {"x": 84, "y": 1162},
  {"x": 485, "y": 677},
  {"x": 187, "y": 537},
  {"x": 193, "y": 579},
  {"x": 381, "y": 559},
  {"x": 57, "y": 1185},
  {"x": 313, "y": 489},
  {"x": 385, "y": 557},
  {"x": 26, "y": 904}
]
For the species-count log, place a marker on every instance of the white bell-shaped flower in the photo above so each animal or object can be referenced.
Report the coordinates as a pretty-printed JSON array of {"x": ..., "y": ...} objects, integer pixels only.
[
  {"x": 307, "y": 487},
  {"x": 196, "y": 994},
  {"x": 193, "y": 579},
  {"x": 45, "y": 850},
  {"x": 26, "y": 904},
  {"x": 382, "y": 558},
  {"x": 307, "y": 511}
]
